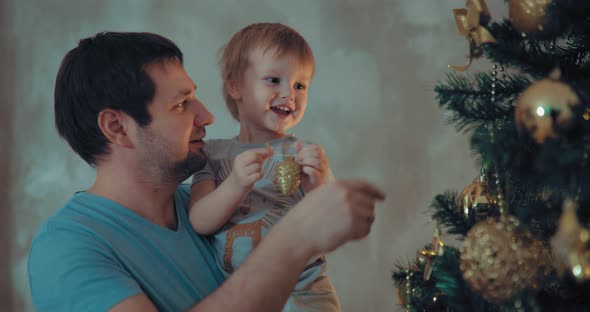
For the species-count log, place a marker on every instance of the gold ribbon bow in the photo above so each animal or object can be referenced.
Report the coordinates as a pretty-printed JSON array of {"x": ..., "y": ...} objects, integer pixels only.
[
  {"x": 427, "y": 256},
  {"x": 470, "y": 23}
]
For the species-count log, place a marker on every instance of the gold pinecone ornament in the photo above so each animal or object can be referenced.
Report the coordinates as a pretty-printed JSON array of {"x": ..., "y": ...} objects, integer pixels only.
[
  {"x": 498, "y": 260},
  {"x": 287, "y": 176}
]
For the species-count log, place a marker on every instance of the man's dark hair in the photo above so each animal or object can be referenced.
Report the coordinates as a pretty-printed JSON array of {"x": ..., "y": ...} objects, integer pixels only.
[{"x": 105, "y": 71}]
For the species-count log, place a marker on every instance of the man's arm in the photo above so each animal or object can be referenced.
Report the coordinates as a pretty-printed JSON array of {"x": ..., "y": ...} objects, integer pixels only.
[{"x": 324, "y": 220}]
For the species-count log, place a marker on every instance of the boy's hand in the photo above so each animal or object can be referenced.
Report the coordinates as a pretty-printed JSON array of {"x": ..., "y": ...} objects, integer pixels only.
[
  {"x": 247, "y": 168},
  {"x": 314, "y": 164}
]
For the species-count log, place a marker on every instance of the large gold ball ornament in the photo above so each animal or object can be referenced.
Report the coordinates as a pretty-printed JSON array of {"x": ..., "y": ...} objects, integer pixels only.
[
  {"x": 545, "y": 110},
  {"x": 534, "y": 17},
  {"x": 535, "y": 256},
  {"x": 498, "y": 260}
]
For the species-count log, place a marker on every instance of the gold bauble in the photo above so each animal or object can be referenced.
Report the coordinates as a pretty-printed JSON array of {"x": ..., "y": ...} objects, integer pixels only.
[
  {"x": 545, "y": 110},
  {"x": 498, "y": 260},
  {"x": 287, "y": 176},
  {"x": 536, "y": 259},
  {"x": 475, "y": 200},
  {"x": 533, "y": 17},
  {"x": 571, "y": 244}
]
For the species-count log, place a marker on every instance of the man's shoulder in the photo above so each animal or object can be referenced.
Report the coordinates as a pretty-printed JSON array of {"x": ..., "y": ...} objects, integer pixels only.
[{"x": 70, "y": 221}]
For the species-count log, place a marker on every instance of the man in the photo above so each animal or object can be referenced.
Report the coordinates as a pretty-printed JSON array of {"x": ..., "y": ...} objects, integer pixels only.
[{"x": 125, "y": 104}]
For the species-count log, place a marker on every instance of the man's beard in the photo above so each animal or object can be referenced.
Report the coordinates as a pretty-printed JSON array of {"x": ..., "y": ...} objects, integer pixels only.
[
  {"x": 184, "y": 169},
  {"x": 157, "y": 163}
]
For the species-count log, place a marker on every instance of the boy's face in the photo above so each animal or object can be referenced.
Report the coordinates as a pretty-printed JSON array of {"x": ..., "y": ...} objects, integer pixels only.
[{"x": 272, "y": 94}]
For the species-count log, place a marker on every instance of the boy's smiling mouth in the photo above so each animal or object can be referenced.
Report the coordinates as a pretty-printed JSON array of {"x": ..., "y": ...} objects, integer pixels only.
[{"x": 282, "y": 110}]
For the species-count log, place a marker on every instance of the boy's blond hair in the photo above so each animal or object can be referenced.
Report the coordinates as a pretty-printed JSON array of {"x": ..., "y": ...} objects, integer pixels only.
[{"x": 235, "y": 54}]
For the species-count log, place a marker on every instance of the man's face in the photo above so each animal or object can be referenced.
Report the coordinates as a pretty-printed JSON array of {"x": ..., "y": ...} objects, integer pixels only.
[{"x": 171, "y": 146}]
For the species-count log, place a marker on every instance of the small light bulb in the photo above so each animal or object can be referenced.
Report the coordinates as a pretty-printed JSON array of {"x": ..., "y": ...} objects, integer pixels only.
[{"x": 577, "y": 270}]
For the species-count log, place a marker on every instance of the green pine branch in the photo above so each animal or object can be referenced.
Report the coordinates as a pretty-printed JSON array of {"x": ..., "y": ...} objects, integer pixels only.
[
  {"x": 470, "y": 101},
  {"x": 569, "y": 51},
  {"x": 448, "y": 214}
]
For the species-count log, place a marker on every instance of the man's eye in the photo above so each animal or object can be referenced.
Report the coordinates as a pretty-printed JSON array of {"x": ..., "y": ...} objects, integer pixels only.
[{"x": 181, "y": 104}]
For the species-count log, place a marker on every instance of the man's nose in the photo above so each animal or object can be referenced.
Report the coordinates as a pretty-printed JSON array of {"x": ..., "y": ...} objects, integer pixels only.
[{"x": 203, "y": 117}]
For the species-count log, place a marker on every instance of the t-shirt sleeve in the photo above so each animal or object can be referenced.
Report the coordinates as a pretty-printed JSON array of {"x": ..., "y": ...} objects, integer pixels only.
[
  {"x": 71, "y": 270},
  {"x": 206, "y": 173}
]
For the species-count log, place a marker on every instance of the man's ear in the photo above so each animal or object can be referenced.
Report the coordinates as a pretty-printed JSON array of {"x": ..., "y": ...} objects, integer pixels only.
[
  {"x": 233, "y": 89},
  {"x": 115, "y": 126}
]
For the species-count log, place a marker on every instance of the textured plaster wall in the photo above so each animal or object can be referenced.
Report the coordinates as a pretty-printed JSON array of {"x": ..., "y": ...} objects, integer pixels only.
[{"x": 371, "y": 106}]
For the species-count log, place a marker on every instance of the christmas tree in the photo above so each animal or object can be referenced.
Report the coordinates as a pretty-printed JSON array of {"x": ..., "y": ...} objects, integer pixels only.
[{"x": 523, "y": 225}]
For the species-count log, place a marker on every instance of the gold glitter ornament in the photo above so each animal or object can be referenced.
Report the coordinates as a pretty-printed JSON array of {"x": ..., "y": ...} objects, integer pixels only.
[
  {"x": 535, "y": 256},
  {"x": 287, "y": 176},
  {"x": 498, "y": 260}
]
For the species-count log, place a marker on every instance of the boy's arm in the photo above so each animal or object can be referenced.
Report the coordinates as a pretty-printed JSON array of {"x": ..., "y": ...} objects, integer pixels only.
[{"x": 211, "y": 207}]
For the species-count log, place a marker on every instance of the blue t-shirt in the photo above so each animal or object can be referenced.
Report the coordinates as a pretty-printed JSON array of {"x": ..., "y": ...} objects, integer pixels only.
[{"x": 94, "y": 253}]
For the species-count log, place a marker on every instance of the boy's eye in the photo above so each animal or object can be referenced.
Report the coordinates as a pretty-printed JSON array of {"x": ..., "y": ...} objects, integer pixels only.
[
  {"x": 299, "y": 86},
  {"x": 273, "y": 80}
]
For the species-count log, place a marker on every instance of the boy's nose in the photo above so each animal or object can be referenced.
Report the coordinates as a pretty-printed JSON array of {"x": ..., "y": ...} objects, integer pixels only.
[{"x": 287, "y": 93}]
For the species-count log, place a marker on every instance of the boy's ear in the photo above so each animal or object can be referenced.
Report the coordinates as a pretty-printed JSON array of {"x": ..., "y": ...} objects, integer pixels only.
[
  {"x": 114, "y": 125},
  {"x": 233, "y": 90}
]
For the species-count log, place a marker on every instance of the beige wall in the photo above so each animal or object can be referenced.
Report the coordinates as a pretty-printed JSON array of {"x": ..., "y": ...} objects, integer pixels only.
[{"x": 371, "y": 106}]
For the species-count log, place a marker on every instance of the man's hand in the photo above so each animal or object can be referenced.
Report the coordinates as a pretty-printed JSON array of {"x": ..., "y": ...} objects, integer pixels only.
[
  {"x": 334, "y": 214},
  {"x": 314, "y": 164},
  {"x": 247, "y": 168}
]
